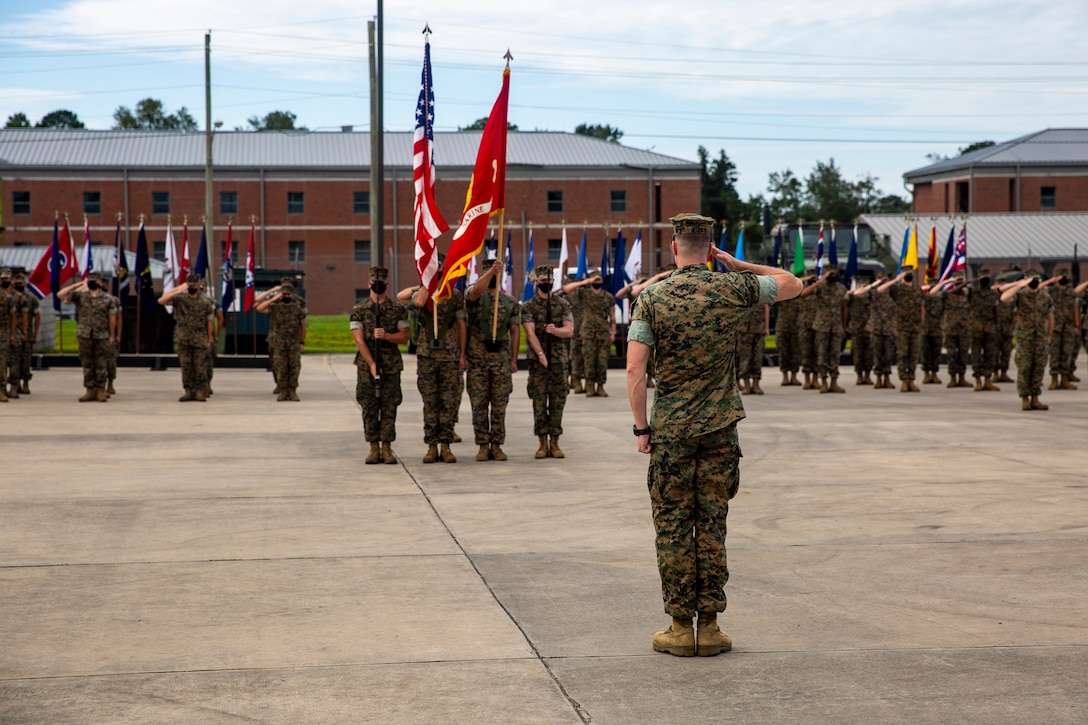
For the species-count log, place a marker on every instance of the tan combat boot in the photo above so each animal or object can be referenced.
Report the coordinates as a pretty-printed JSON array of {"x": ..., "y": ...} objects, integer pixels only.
[
  {"x": 542, "y": 451},
  {"x": 1053, "y": 382},
  {"x": 497, "y": 452},
  {"x": 198, "y": 395},
  {"x": 457, "y": 438},
  {"x": 101, "y": 396},
  {"x": 1036, "y": 405},
  {"x": 110, "y": 389},
  {"x": 879, "y": 381},
  {"x": 785, "y": 378},
  {"x": 936, "y": 379},
  {"x": 4, "y": 396},
  {"x": 278, "y": 390},
  {"x": 963, "y": 382},
  {"x": 282, "y": 397},
  {"x": 823, "y": 384},
  {"x": 912, "y": 388},
  {"x": 754, "y": 387},
  {"x": 793, "y": 379},
  {"x": 742, "y": 385},
  {"x": 25, "y": 388},
  {"x": 903, "y": 387},
  {"x": 861, "y": 379},
  {"x": 292, "y": 394},
  {"x": 600, "y": 391},
  {"x": 446, "y": 454},
  {"x": 555, "y": 450},
  {"x": 387, "y": 453},
  {"x": 834, "y": 386},
  {"x": 1065, "y": 384},
  {"x": 678, "y": 639},
  {"x": 375, "y": 455},
  {"x": 484, "y": 454},
  {"x": 1072, "y": 378},
  {"x": 951, "y": 381},
  {"x": 591, "y": 391},
  {"x": 978, "y": 384},
  {"x": 432, "y": 454},
  {"x": 1025, "y": 403},
  {"x": 577, "y": 387},
  {"x": 988, "y": 384},
  {"x": 13, "y": 391},
  {"x": 711, "y": 640},
  {"x": 807, "y": 385},
  {"x": 88, "y": 396}
]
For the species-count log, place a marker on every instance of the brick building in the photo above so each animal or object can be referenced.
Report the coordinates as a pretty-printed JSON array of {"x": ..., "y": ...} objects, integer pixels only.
[
  {"x": 1041, "y": 172},
  {"x": 308, "y": 195}
]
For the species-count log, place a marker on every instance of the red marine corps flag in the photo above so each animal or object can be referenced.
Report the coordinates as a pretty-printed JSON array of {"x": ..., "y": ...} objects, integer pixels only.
[
  {"x": 429, "y": 221},
  {"x": 486, "y": 193}
]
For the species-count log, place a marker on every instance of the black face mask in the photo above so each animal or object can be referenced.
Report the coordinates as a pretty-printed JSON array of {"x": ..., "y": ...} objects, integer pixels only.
[
  {"x": 90, "y": 285},
  {"x": 378, "y": 288},
  {"x": 287, "y": 299},
  {"x": 193, "y": 290},
  {"x": 909, "y": 278},
  {"x": 1034, "y": 283},
  {"x": 1063, "y": 280},
  {"x": 544, "y": 287},
  {"x": 595, "y": 285},
  {"x": 984, "y": 283},
  {"x": 492, "y": 283},
  {"x": 5, "y": 284},
  {"x": 20, "y": 287},
  {"x": 832, "y": 277}
]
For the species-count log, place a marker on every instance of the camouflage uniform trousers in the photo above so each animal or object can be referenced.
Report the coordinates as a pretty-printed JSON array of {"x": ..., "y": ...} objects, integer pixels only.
[
  {"x": 286, "y": 363},
  {"x": 26, "y": 358},
  {"x": 931, "y": 352},
  {"x": 983, "y": 353},
  {"x": 209, "y": 362},
  {"x": 861, "y": 352},
  {"x": 807, "y": 344},
  {"x": 379, "y": 416},
  {"x": 1004, "y": 352},
  {"x": 490, "y": 383},
  {"x": 690, "y": 483},
  {"x": 549, "y": 396},
  {"x": 111, "y": 367},
  {"x": 957, "y": 344},
  {"x": 788, "y": 342},
  {"x": 883, "y": 350},
  {"x": 94, "y": 354},
  {"x": 191, "y": 360},
  {"x": 440, "y": 384},
  {"x": 1031, "y": 354},
  {"x": 6, "y": 355},
  {"x": 1063, "y": 349},
  {"x": 595, "y": 358},
  {"x": 907, "y": 347},
  {"x": 828, "y": 347},
  {"x": 577, "y": 365},
  {"x": 750, "y": 355}
]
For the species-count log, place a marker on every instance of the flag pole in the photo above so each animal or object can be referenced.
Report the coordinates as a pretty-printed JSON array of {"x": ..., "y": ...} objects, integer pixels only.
[
  {"x": 139, "y": 299},
  {"x": 501, "y": 263}
]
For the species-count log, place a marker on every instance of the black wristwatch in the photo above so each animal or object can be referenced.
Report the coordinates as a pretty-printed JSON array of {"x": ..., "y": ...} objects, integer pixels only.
[{"x": 640, "y": 431}]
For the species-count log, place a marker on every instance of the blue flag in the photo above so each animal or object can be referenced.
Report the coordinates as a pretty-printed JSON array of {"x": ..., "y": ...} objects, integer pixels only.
[
  {"x": 721, "y": 245},
  {"x": 201, "y": 268},
  {"x": 777, "y": 249},
  {"x": 949, "y": 248},
  {"x": 227, "y": 298},
  {"x": 606, "y": 270},
  {"x": 119, "y": 283},
  {"x": 583, "y": 264},
  {"x": 832, "y": 252},
  {"x": 852, "y": 258},
  {"x": 619, "y": 274},
  {"x": 740, "y": 245},
  {"x": 903, "y": 249},
  {"x": 55, "y": 265},
  {"x": 530, "y": 265},
  {"x": 145, "y": 288}
]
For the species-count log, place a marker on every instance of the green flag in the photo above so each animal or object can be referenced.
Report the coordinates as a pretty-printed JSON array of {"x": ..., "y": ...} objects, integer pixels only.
[{"x": 799, "y": 254}]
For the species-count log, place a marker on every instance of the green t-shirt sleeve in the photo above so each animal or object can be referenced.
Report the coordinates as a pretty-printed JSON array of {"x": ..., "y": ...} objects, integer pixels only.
[
  {"x": 768, "y": 289},
  {"x": 640, "y": 331}
]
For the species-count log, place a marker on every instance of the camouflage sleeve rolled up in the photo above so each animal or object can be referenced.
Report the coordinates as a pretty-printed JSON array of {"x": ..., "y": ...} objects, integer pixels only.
[{"x": 693, "y": 318}]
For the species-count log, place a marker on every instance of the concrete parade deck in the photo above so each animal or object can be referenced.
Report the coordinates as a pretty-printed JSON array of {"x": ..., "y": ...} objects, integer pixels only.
[{"x": 895, "y": 558}]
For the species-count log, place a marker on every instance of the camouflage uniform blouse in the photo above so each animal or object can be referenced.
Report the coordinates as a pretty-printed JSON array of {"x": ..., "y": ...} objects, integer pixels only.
[
  {"x": 1032, "y": 309},
  {"x": 754, "y": 324},
  {"x": 908, "y": 307},
  {"x": 191, "y": 315},
  {"x": 392, "y": 317},
  {"x": 535, "y": 311},
  {"x": 828, "y": 316},
  {"x": 285, "y": 320},
  {"x": 92, "y": 314},
  {"x": 597, "y": 306},
  {"x": 982, "y": 307},
  {"x": 1064, "y": 301},
  {"x": 857, "y": 307},
  {"x": 480, "y": 314},
  {"x": 691, "y": 320},
  {"x": 933, "y": 311},
  {"x": 955, "y": 312},
  {"x": 450, "y": 310},
  {"x": 881, "y": 314}
]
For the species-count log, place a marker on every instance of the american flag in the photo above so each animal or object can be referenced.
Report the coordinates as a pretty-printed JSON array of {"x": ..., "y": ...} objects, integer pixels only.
[
  {"x": 958, "y": 261},
  {"x": 820, "y": 253},
  {"x": 429, "y": 221}
]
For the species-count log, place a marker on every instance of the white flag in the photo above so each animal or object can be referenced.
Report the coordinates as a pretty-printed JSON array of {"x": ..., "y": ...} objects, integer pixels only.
[
  {"x": 563, "y": 252},
  {"x": 170, "y": 268},
  {"x": 634, "y": 259}
]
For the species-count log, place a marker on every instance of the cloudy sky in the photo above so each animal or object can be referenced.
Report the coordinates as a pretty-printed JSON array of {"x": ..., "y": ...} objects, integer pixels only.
[{"x": 874, "y": 84}]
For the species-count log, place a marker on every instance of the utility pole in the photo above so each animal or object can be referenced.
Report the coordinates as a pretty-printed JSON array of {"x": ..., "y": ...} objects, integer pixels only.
[{"x": 209, "y": 217}]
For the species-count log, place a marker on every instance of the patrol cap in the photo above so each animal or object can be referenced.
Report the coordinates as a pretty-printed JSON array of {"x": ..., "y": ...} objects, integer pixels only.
[
  {"x": 287, "y": 280},
  {"x": 287, "y": 287},
  {"x": 20, "y": 277},
  {"x": 543, "y": 273},
  {"x": 692, "y": 223},
  {"x": 5, "y": 273},
  {"x": 595, "y": 274},
  {"x": 487, "y": 264},
  {"x": 379, "y": 274},
  {"x": 194, "y": 279},
  {"x": 91, "y": 276}
]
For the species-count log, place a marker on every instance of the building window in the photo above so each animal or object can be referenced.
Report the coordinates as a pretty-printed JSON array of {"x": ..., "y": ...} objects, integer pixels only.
[
  {"x": 555, "y": 248},
  {"x": 158, "y": 250},
  {"x": 361, "y": 293},
  {"x": 963, "y": 197},
  {"x": 619, "y": 202},
  {"x": 295, "y": 203},
  {"x": 361, "y": 202},
  {"x": 362, "y": 251},
  {"x": 1048, "y": 197},
  {"x": 228, "y": 202},
  {"x": 20, "y": 202},
  {"x": 92, "y": 202},
  {"x": 24, "y": 244},
  {"x": 296, "y": 252},
  {"x": 555, "y": 201},
  {"x": 160, "y": 202}
]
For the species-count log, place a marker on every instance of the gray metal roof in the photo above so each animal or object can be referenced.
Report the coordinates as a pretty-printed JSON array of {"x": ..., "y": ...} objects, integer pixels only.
[
  {"x": 102, "y": 256},
  {"x": 1052, "y": 147},
  {"x": 1050, "y": 235},
  {"x": 63, "y": 148}
]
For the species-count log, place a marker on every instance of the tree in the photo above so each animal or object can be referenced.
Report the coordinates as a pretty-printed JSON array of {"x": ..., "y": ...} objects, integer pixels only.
[
  {"x": 720, "y": 199},
  {"x": 786, "y": 195},
  {"x": 976, "y": 146},
  {"x": 605, "y": 132},
  {"x": 150, "y": 115},
  {"x": 60, "y": 119},
  {"x": 17, "y": 120},
  {"x": 479, "y": 123},
  {"x": 275, "y": 121}
]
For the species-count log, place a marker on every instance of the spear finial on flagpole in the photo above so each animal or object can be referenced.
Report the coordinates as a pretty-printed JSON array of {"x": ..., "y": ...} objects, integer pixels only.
[
  {"x": 120, "y": 216},
  {"x": 508, "y": 57},
  {"x": 427, "y": 31}
]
